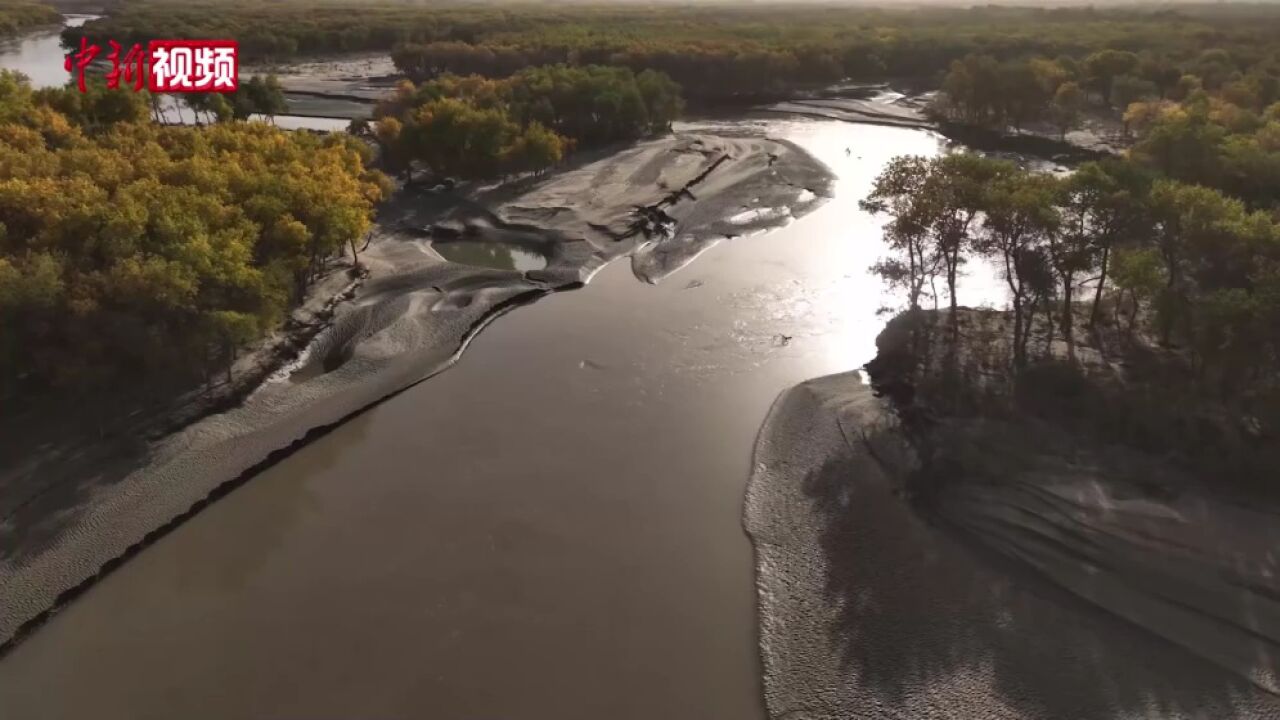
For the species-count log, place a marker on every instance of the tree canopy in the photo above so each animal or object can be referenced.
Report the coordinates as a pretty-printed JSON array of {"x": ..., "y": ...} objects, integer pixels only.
[
  {"x": 722, "y": 51},
  {"x": 1205, "y": 267},
  {"x": 475, "y": 127},
  {"x": 21, "y": 15},
  {"x": 130, "y": 249}
]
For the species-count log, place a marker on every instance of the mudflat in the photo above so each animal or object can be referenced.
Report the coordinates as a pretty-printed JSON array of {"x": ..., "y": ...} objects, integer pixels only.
[{"x": 1062, "y": 591}]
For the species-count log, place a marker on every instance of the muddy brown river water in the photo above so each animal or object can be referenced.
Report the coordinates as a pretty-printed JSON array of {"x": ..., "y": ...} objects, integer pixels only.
[{"x": 550, "y": 529}]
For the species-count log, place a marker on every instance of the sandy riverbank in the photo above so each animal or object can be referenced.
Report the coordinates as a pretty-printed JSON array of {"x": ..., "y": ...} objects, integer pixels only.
[
  {"x": 661, "y": 201},
  {"x": 1099, "y": 134},
  {"x": 1043, "y": 576}
]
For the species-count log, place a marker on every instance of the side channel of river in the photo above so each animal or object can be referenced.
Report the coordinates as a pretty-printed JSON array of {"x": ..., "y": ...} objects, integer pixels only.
[{"x": 551, "y": 529}]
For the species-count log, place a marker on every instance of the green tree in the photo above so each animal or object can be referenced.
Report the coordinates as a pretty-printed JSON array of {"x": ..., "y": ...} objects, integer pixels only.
[
  {"x": 1066, "y": 107},
  {"x": 1020, "y": 214},
  {"x": 260, "y": 95},
  {"x": 1103, "y": 67},
  {"x": 933, "y": 205},
  {"x": 1184, "y": 144},
  {"x": 535, "y": 149},
  {"x": 1127, "y": 89},
  {"x": 1138, "y": 271},
  {"x": 895, "y": 193},
  {"x": 1105, "y": 206},
  {"x": 131, "y": 250}
]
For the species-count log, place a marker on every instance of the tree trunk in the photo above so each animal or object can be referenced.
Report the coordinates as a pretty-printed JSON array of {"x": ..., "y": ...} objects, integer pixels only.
[
  {"x": 1049, "y": 334},
  {"x": 355, "y": 256},
  {"x": 1018, "y": 359},
  {"x": 1068, "y": 319},
  {"x": 1097, "y": 295},
  {"x": 914, "y": 278},
  {"x": 208, "y": 374},
  {"x": 1015, "y": 292},
  {"x": 1027, "y": 323},
  {"x": 951, "y": 283}
]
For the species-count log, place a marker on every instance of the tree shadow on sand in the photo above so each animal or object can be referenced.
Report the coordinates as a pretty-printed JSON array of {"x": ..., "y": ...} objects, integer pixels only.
[
  {"x": 927, "y": 621},
  {"x": 51, "y": 474},
  {"x": 1000, "y": 563},
  {"x": 983, "y": 581}
]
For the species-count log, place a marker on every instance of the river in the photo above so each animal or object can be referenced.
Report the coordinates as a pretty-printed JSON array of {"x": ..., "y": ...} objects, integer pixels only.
[
  {"x": 550, "y": 529},
  {"x": 39, "y": 54}
]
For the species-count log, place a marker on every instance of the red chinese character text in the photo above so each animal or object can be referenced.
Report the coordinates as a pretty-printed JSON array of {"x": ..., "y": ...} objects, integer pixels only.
[
  {"x": 82, "y": 59},
  {"x": 131, "y": 68}
]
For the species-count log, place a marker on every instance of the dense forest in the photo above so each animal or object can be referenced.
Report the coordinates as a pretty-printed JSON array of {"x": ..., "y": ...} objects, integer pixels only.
[
  {"x": 473, "y": 127},
  {"x": 132, "y": 249},
  {"x": 713, "y": 51},
  {"x": 1213, "y": 119},
  {"x": 20, "y": 15}
]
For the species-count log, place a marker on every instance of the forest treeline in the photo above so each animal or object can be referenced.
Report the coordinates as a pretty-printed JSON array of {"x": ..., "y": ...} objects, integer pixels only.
[
  {"x": 130, "y": 249},
  {"x": 475, "y": 127},
  {"x": 20, "y": 15},
  {"x": 1212, "y": 119},
  {"x": 1183, "y": 226},
  {"x": 1175, "y": 244},
  {"x": 713, "y": 51},
  {"x": 1188, "y": 263}
]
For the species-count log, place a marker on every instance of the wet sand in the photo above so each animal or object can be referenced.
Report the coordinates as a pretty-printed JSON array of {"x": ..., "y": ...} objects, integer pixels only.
[
  {"x": 550, "y": 529},
  {"x": 1061, "y": 592},
  {"x": 871, "y": 110},
  {"x": 367, "y": 77}
]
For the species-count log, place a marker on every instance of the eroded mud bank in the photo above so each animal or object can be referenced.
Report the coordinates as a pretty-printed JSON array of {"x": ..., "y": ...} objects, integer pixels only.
[{"x": 661, "y": 201}]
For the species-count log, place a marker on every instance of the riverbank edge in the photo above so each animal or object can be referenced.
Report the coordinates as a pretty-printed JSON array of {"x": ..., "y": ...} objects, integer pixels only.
[
  {"x": 833, "y": 442},
  {"x": 15, "y": 636},
  {"x": 267, "y": 361}
]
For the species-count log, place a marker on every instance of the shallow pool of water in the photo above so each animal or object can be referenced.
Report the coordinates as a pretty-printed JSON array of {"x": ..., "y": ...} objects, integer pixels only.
[{"x": 500, "y": 255}]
